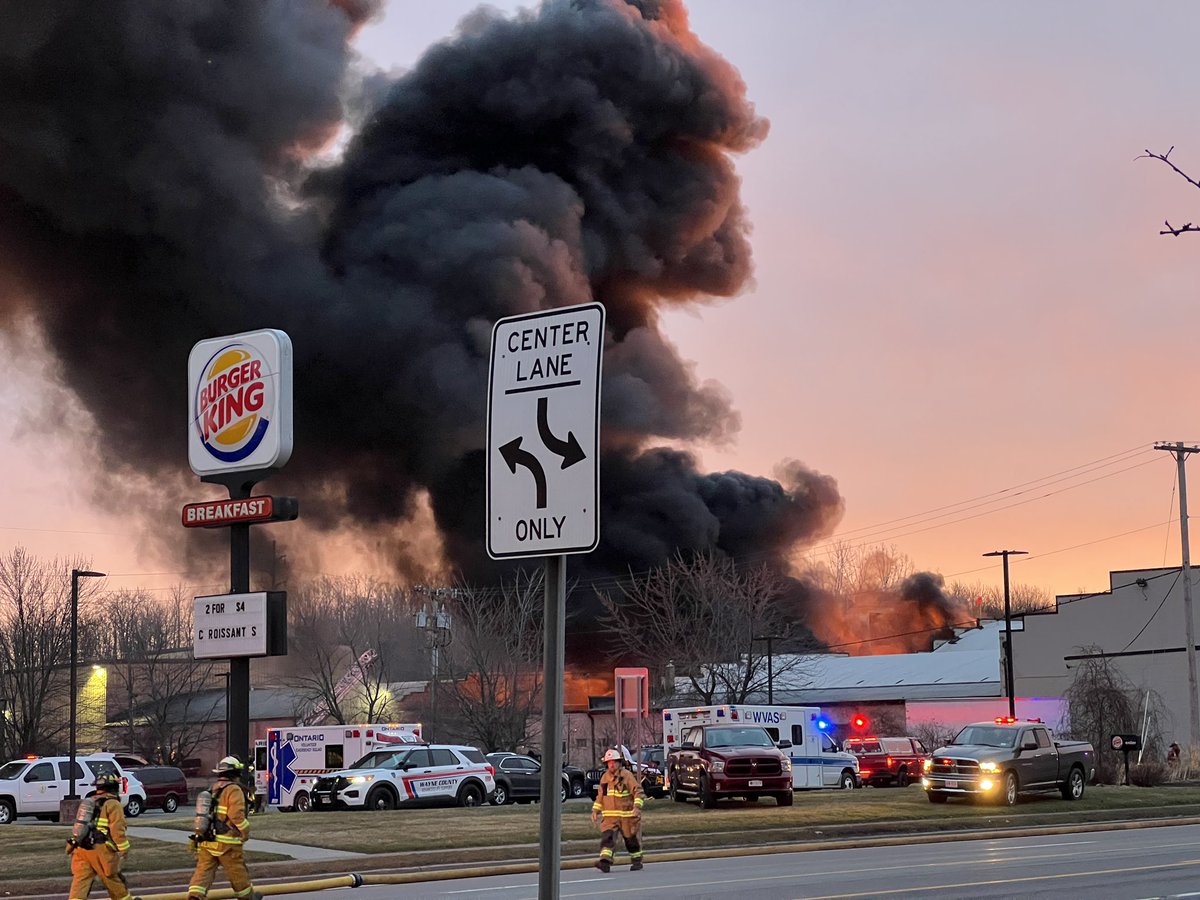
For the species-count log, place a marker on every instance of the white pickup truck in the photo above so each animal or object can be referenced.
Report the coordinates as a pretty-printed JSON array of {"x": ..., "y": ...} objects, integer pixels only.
[{"x": 34, "y": 787}]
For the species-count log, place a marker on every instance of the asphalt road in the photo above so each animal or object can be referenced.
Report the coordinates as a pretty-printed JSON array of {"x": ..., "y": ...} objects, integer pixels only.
[{"x": 1122, "y": 865}]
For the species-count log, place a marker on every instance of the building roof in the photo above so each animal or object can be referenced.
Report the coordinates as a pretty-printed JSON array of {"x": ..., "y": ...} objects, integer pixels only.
[
  {"x": 198, "y": 707},
  {"x": 968, "y": 667}
]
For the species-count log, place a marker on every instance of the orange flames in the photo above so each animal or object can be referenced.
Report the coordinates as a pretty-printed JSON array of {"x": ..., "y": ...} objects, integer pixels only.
[{"x": 877, "y": 622}]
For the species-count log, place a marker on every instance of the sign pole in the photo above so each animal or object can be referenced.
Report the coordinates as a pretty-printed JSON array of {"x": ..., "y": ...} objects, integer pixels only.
[
  {"x": 237, "y": 712},
  {"x": 553, "y": 664}
]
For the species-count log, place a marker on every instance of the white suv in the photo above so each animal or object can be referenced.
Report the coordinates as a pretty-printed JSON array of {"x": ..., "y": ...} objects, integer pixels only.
[
  {"x": 410, "y": 775},
  {"x": 34, "y": 787}
]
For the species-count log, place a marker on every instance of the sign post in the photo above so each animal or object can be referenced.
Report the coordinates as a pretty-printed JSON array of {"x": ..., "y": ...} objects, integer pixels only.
[
  {"x": 1127, "y": 743},
  {"x": 543, "y": 494},
  {"x": 239, "y": 432}
]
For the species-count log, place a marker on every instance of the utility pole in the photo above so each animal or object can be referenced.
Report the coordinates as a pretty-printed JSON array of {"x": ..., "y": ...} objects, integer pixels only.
[
  {"x": 1180, "y": 452},
  {"x": 1008, "y": 649}
]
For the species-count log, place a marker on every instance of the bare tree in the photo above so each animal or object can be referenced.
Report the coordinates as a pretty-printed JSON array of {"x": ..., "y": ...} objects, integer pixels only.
[
  {"x": 494, "y": 663},
  {"x": 35, "y": 647},
  {"x": 1103, "y": 702},
  {"x": 705, "y": 615},
  {"x": 1170, "y": 229},
  {"x": 168, "y": 695},
  {"x": 986, "y": 601},
  {"x": 847, "y": 569},
  {"x": 335, "y": 623}
]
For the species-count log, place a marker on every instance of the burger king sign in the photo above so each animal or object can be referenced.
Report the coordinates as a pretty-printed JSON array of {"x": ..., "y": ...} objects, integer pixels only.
[{"x": 240, "y": 403}]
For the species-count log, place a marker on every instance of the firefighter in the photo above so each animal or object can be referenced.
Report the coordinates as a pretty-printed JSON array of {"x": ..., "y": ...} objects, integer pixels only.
[
  {"x": 98, "y": 844},
  {"x": 619, "y": 802},
  {"x": 219, "y": 840}
]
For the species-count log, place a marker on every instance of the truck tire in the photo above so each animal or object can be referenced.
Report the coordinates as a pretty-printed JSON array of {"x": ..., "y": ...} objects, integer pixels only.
[
  {"x": 673, "y": 790},
  {"x": 381, "y": 798},
  {"x": 708, "y": 800},
  {"x": 1010, "y": 789},
  {"x": 936, "y": 797},
  {"x": 577, "y": 788},
  {"x": 846, "y": 782},
  {"x": 785, "y": 798},
  {"x": 902, "y": 778},
  {"x": 134, "y": 807},
  {"x": 8, "y": 812},
  {"x": 1073, "y": 788}
]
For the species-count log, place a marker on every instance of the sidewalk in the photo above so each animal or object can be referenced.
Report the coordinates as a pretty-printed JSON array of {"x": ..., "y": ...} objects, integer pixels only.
[{"x": 295, "y": 851}]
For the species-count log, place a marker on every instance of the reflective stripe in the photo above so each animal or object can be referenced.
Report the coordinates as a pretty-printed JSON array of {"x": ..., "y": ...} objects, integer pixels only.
[
  {"x": 639, "y": 802},
  {"x": 636, "y": 854},
  {"x": 620, "y": 813},
  {"x": 606, "y": 854},
  {"x": 199, "y": 891},
  {"x": 222, "y": 809},
  {"x": 245, "y": 892},
  {"x": 228, "y": 839},
  {"x": 597, "y": 806},
  {"x": 123, "y": 846}
]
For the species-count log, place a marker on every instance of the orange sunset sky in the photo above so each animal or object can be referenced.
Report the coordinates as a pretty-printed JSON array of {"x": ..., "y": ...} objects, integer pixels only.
[{"x": 961, "y": 295}]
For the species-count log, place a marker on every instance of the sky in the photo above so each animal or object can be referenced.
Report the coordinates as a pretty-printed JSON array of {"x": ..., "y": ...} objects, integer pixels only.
[{"x": 962, "y": 308}]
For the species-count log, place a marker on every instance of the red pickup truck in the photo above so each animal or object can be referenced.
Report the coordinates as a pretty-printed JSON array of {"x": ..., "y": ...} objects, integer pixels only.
[{"x": 888, "y": 760}]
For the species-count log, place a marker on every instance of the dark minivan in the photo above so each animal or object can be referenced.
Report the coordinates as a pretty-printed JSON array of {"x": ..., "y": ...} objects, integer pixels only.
[{"x": 166, "y": 786}]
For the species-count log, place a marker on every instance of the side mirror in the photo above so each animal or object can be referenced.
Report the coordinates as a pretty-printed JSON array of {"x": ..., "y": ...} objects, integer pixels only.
[
  {"x": 785, "y": 745},
  {"x": 1029, "y": 745},
  {"x": 687, "y": 745}
]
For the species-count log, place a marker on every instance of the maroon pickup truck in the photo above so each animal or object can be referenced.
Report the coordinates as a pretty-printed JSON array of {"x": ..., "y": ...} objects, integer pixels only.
[
  {"x": 717, "y": 761},
  {"x": 888, "y": 760}
]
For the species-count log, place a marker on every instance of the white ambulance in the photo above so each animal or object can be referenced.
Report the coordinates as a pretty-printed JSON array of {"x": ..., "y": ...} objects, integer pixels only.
[
  {"x": 800, "y": 731},
  {"x": 297, "y": 755}
]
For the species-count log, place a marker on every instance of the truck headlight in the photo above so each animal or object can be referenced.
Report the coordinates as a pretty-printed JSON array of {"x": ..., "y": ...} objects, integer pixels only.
[
  {"x": 927, "y": 764},
  {"x": 718, "y": 765},
  {"x": 986, "y": 784},
  {"x": 787, "y": 765},
  {"x": 988, "y": 767},
  {"x": 361, "y": 779}
]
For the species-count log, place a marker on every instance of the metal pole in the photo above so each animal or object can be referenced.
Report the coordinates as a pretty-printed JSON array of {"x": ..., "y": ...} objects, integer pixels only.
[
  {"x": 770, "y": 673},
  {"x": 1008, "y": 647},
  {"x": 553, "y": 661},
  {"x": 71, "y": 795},
  {"x": 237, "y": 707},
  {"x": 1193, "y": 695}
]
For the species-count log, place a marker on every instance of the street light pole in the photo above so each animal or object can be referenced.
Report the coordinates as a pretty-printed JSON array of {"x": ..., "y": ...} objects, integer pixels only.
[
  {"x": 770, "y": 638},
  {"x": 1008, "y": 650},
  {"x": 76, "y": 574}
]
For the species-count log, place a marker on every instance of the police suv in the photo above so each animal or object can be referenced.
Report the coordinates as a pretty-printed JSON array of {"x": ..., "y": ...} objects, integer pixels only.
[
  {"x": 423, "y": 774},
  {"x": 34, "y": 786}
]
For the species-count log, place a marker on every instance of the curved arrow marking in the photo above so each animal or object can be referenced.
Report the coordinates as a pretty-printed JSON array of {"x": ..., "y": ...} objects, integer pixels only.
[
  {"x": 569, "y": 450},
  {"x": 515, "y": 456}
]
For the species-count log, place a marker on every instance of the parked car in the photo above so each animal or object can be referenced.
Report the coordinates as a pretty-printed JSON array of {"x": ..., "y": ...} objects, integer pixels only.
[
  {"x": 35, "y": 786},
  {"x": 519, "y": 779},
  {"x": 717, "y": 761},
  {"x": 166, "y": 786},
  {"x": 1004, "y": 758},
  {"x": 888, "y": 760},
  {"x": 130, "y": 760},
  {"x": 420, "y": 775}
]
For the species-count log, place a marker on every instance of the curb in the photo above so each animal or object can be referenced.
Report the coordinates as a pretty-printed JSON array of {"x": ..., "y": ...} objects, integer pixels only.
[{"x": 355, "y": 880}]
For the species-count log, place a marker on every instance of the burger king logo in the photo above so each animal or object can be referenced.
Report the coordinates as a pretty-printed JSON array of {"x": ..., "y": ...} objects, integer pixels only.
[
  {"x": 240, "y": 403},
  {"x": 233, "y": 400}
]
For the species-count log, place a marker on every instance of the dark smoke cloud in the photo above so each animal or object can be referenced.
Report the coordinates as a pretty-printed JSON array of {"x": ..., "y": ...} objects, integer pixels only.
[{"x": 156, "y": 188}]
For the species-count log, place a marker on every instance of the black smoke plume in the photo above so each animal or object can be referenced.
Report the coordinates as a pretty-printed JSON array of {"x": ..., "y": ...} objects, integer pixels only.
[{"x": 158, "y": 185}]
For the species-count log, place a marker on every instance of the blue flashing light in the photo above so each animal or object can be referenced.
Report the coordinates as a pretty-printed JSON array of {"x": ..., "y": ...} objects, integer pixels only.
[{"x": 822, "y": 725}]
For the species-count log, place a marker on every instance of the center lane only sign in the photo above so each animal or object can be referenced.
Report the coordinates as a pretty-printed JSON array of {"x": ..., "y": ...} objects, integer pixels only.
[{"x": 543, "y": 435}]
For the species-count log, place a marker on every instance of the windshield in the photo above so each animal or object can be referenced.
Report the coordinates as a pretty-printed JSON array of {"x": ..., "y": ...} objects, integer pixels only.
[
  {"x": 12, "y": 770},
  {"x": 379, "y": 759},
  {"x": 985, "y": 736},
  {"x": 737, "y": 737},
  {"x": 102, "y": 767}
]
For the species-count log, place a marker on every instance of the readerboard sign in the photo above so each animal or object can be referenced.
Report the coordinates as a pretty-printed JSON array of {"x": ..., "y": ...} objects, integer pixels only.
[
  {"x": 543, "y": 435},
  {"x": 238, "y": 625},
  {"x": 240, "y": 403}
]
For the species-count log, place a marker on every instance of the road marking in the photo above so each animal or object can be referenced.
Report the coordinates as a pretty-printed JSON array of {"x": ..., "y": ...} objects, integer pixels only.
[{"x": 965, "y": 884}]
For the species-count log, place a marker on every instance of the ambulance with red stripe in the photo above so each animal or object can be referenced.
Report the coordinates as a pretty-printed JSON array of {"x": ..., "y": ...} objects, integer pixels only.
[
  {"x": 295, "y": 757},
  {"x": 412, "y": 775}
]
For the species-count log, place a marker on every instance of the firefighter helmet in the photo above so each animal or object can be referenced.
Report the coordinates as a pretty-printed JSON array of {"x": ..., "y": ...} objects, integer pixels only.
[
  {"x": 108, "y": 781},
  {"x": 230, "y": 765},
  {"x": 613, "y": 755}
]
